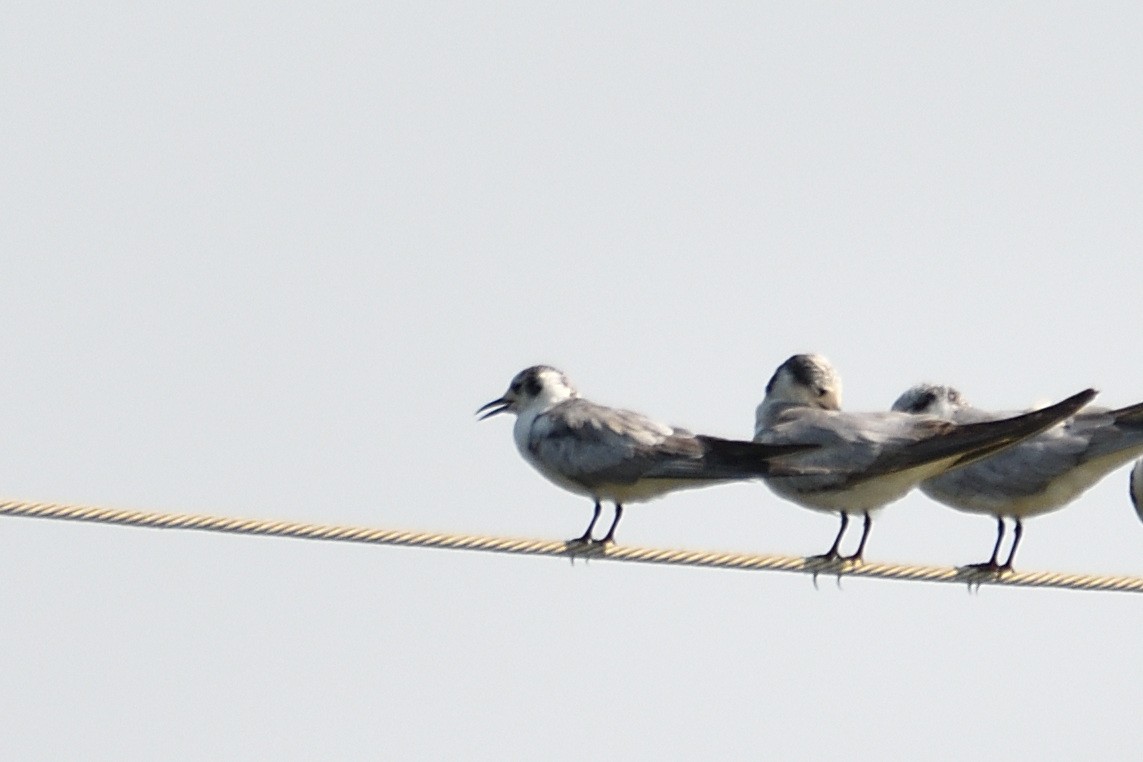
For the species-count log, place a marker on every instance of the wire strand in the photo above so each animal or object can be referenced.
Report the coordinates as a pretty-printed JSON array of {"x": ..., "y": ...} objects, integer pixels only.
[{"x": 533, "y": 547}]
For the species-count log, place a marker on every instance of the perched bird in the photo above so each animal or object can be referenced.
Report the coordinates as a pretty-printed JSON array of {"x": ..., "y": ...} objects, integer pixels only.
[
  {"x": 1038, "y": 475},
  {"x": 868, "y": 460},
  {"x": 617, "y": 455}
]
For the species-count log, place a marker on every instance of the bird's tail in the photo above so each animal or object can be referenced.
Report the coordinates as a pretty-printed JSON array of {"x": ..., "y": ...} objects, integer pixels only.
[{"x": 740, "y": 460}]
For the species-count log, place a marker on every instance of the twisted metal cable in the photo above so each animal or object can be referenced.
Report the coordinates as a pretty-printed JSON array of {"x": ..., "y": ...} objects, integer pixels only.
[{"x": 745, "y": 561}]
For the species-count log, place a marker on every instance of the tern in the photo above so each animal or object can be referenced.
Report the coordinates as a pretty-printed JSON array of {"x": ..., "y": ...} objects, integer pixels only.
[
  {"x": 617, "y": 455},
  {"x": 1040, "y": 474}
]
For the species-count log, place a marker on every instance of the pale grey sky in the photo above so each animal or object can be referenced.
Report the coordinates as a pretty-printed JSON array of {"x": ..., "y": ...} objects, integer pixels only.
[{"x": 266, "y": 259}]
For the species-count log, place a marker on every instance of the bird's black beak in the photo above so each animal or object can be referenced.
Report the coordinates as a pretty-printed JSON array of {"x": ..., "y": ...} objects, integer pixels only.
[{"x": 494, "y": 407}]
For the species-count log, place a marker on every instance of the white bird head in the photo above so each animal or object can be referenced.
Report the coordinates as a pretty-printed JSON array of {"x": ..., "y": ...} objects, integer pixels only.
[
  {"x": 805, "y": 380},
  {"x": 931, "y": 399},
  {"x": 537, "y": 388}
]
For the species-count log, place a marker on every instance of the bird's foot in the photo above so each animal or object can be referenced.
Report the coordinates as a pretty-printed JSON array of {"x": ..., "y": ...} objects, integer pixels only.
[
  {"x": 976, "y": 574},
  {"x": 826, "y": 559},
  {"x": 587, "y": 544},
  {"x": 829, "y": 560},
  {"x": 986, "y": 567},
  {"x": 580, "y": 544},
  {"x": 580, "y": 547}
]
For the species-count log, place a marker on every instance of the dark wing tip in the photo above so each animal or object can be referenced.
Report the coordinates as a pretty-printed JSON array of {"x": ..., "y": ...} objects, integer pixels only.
[
  {"x": 1130, "y": 414},
  {"x": 1073, "y": 403},
  {"x": 747, "y": 458}
]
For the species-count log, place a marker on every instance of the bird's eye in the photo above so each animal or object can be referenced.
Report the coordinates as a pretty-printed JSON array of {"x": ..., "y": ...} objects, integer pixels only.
[
  {"x": 533, "y": 387},
  {"x": 822, "y": 391}
]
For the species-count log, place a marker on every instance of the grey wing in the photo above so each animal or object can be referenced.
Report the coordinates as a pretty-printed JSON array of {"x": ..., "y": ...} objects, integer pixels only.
[
  {"x": 1023, "y": 470},
  {"x": 849, "y": 444},
  {"x": 1106, "y": 432},
  {"x": 826, "y": 428},
  {"x": 592, "y": 444},
  {"x": 966, "y": 443}
]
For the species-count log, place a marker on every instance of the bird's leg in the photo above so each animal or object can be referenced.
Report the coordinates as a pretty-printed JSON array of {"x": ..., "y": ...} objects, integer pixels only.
[
  {"x": 1017, "y": 533},
  {"x": 857, "y": 555},
  {"x": 610, "y": 536},
  {"x": 832, "y": 554},
  {"x": 990, "y": 565},
  {"x": 585, "y": 538}
]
